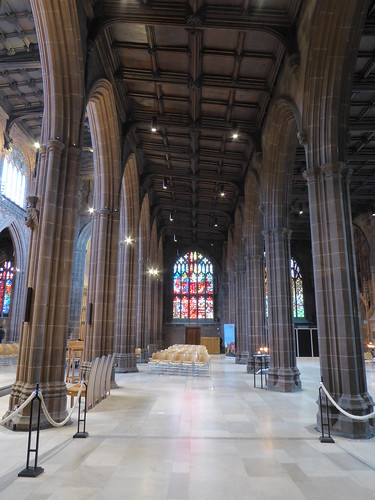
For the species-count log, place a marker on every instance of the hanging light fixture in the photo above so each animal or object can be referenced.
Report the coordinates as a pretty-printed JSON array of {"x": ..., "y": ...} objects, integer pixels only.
[
  {"x": 154, "y": 124},
  {"x": 300, "y": 209},
  {"x": 165, "y": 183},
  {"x": 175, "y": 238},
  {"x": 215, "y": 222},
  {"x": 222, "y": 190},
  {"x": 171, "y": 216}
]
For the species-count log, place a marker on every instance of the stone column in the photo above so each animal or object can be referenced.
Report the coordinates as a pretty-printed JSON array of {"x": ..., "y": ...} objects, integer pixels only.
[
  {"x": 255, "y": 305},
  {"x": 242, "y": 347},
  {"x": 78, "y": 278},
  {"x": 126, "y": 312},
  {"x": 336, "y": 295},
  {"x": 283, "y": 373},
  {"x": 153, "y": 345},
  {"x": 101, "y": 294},
  {"x": 43, "y": 336},
  {"x": 143, "y": 311}
]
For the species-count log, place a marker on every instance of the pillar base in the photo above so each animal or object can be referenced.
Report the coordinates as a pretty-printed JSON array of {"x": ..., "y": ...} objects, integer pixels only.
[
  {"x": 144, "y": 357},
  {"x": 343, "y": 426},
  {"x": 54, "y": 396},
  {"x": 126, "y": 363},
  {"x": 284, "y": 380},
  {"x": 242, "y": 358}
]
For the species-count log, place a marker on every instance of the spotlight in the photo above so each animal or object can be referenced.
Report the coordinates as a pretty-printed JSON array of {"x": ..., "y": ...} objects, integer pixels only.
[
  {"x": 154, "y": 124},
  {"x": 171, "y": 216},
  {"x": 300, "y": 209},
  {"x": 215, "y": 222},
  {"x": 36, "y": 145},
  {"x": 222, "y": 190},
  {"x": 165, "y": 183},
  {"x": 91, "y": 210},
  {"x": 128, "y": 240},
  {"x": 373, "y": 211},
  {"x": 235, "y": 131},
  {"x": 175, "y": 238}
]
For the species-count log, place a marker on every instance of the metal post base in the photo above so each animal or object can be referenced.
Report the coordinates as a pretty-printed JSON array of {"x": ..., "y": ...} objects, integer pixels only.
[
  {"x": 326, "y": 439},
  {"x": 31, "y": 472},
  {"x": 81, "y": 435}
]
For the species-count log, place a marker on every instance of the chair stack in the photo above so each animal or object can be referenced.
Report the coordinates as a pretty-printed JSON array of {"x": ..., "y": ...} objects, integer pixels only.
[
  {"x": 181, "y": 359},
  {"x": 98, "y": 382},
  {"x": 8, "y": 354}
]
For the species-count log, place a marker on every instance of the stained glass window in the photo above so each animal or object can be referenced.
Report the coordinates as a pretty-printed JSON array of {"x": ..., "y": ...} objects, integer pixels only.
[
  {"x": 297, "y": 290},
  {"x": 6, "y": 283},
  {"x": 193, "y": 287}
]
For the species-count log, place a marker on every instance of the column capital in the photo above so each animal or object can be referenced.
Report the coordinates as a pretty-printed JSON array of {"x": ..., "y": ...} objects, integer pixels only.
[
  {"x": 282, "y": 232},
  {"x": 55, "y": 145},
  {"x": 334, "y": 169}
]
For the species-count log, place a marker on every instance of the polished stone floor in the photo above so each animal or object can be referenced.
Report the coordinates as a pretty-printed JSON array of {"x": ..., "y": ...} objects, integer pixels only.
[{"x": 182, "y": 437}]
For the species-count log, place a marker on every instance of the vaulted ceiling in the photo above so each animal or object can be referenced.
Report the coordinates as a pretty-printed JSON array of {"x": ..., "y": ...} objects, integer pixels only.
[{"x": 198, "y": 70}]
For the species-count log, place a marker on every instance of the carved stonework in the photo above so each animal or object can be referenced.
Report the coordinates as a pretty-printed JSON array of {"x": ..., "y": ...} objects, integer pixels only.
[
  {"x": 302, "y": 138},
  {"x": 32, "y": 213},
  {"x": 294, "y": 62}
]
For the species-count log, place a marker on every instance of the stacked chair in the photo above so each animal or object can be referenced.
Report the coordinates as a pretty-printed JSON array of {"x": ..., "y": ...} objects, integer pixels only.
[
  {"x": 181, "y": 359},
  {"x": 8, "y": 354}
]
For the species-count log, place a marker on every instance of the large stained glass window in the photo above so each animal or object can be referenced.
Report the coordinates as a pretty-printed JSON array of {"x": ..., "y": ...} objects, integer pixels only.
[
  {"x": 193, "y": 289},
  {"x": 297, "y": 290},
  {"x": 6, "y": 283}
]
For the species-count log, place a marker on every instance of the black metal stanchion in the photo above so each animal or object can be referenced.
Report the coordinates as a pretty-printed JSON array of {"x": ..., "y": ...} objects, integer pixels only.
[
  {"x": 33, "y": 471},
  {"x": 324, "y": 438},
  {"x": 79, "y": 433}
]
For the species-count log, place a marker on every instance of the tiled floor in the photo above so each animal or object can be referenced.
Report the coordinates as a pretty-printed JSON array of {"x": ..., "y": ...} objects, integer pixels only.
[{"x": 209, "y": 438}]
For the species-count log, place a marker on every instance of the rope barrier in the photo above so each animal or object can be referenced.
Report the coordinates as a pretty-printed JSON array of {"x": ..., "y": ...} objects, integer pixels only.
[
  {"x": 44, "y": 408},
  {"x": 344, "y": 412},
  {"x": 66, "y": 420},
  {"x": 18, "y": 410}
]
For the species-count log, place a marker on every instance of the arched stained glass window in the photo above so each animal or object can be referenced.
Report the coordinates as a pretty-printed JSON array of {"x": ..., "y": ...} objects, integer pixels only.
[
  {"x": 6, "y": 284},
  {"x": 193, "y": 287},
  {"x": 297, "y": 290}
]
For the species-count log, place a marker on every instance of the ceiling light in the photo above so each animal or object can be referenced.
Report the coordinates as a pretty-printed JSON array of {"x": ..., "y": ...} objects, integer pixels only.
[
  {"x": 300, "y": 209},
  {"x": 154, "y": 124},
  {"x": 171, "y": 216},
  {"x": 128, "y": 240},
  {"x": 165, "y": 183},
  {"x": 215, "y": 222},
  {"x": 175, "y": 238},
  {"x": 36, "y": 145},
  {"x": 91, "y": 210},
  {"x": 235, "y": 131},
  {"x": 373, "y": 211},
  {"x": 222, "y": 190}
]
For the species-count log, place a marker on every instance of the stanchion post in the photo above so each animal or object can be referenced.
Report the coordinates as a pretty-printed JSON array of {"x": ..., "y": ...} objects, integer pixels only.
[
  {"x": 33, "y": 471},
  {"x": 323, "y": 438},
  {"x": 79, "y": 433}
]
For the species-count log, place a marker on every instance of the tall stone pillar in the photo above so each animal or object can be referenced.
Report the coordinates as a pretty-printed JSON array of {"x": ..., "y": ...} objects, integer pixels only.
[
  {"x": 78, "y": 278},
  {"x": 242, "y": 346},
  {"x": 143, "y": 311},
  {"x": 126, "y": 312},
  {"x": 101, "y": 294},
  {"x": 283, "y": 373},
  {"x": 43, "y": 335},
  {"x": 153, "y": 314},
  {"x": 336, "y": 295},
  {"x": 255, "y": 306}
]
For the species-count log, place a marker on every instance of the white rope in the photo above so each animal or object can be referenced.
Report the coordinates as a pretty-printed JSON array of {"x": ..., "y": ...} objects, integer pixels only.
[
  {"x": 48, "y": 416},
  {"x": 18, "y": 410},
  {"x": 354, "y": 417}
]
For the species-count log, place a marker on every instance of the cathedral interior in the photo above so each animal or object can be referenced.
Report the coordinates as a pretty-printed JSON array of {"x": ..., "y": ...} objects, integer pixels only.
[{"x": 175, "y": 172}]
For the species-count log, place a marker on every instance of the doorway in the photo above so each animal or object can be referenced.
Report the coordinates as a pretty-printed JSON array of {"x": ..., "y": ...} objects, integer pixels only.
[{"x": 192, "y": 335}]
